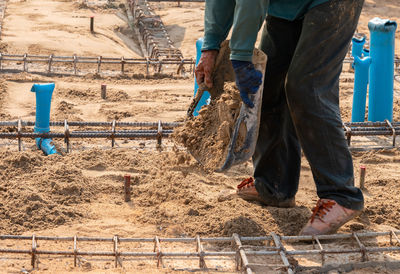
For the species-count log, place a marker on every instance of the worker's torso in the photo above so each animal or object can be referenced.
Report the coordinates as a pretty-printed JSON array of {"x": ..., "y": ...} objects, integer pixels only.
[{"x": 291, "y": 9}]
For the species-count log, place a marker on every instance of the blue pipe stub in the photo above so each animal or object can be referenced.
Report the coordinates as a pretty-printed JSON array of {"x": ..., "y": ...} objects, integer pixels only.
[
  {"x": 380, "y": 105},
  {"x": 357, "y": 46},
  {"x": 43, "y": 103},
  {"x": 361, "y": 75},
  {"x": 382, "y": 25},
  {"x": 205, "y": 99},
  {"x": 43, "y": 93},
  {"x": 361, "y": 66},
  {"x": 46, "y": 145}
]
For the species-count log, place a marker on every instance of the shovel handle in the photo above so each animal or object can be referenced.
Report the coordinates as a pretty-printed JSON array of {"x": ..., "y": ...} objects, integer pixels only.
[{"x": 200, "y": 91}]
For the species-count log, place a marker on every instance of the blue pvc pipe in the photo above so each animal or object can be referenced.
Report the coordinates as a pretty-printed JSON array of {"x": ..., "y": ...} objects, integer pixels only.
[
  {"x": 380, "y": 105},
  {"x": 357, "y": 47},
  {"x": 361, "y": 67},
  {"x": 205, "y": 99},
  {"x": 43, "y": 102}
]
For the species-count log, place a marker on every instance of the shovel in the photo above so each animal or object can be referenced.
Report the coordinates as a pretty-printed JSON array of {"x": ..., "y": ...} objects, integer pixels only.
[
  {"x": 248, "y": 122},
  {"x": 245, "y": 132}
]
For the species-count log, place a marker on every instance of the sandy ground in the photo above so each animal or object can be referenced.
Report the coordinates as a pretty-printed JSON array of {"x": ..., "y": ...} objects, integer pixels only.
[
  {"x": 63, "y": 27},
  {"x": 172, "y": 196}
]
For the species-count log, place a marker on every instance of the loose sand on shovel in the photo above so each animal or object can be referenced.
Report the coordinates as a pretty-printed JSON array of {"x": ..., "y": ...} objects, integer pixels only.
[{"x": 208, "y": 135}]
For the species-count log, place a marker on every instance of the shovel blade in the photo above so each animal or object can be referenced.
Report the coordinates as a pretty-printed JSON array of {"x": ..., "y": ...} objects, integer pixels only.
[{"x": 245, "y": 133}]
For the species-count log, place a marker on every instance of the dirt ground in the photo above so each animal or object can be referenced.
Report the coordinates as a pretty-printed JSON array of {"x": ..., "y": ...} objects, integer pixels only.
[{"x": 172, "y": 195}]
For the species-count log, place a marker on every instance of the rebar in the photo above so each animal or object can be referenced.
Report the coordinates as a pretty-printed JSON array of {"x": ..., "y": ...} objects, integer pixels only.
[
  {"x": 243, "y": 262},
  {"x": 50, "y": 60},
  {"x": 103, "y": 91},
  {"x": 153, "y": 35},
  {"x": 93, "y": 124},
  {"x": 385, "y": 128},
  {"x": 282, "y": 252},
  {"x": 240, "y": 252},
  {"x": 127, "y": 187},
  {"x": 160, "y": 131},
  {"x": 362, "y": 177},
  {"x": 82, "y": 134}
]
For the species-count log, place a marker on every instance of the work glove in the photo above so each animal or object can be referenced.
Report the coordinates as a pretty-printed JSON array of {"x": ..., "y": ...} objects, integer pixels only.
[
  {"x": 248, "y": 80},
  {"x": 205, "y": 67}
]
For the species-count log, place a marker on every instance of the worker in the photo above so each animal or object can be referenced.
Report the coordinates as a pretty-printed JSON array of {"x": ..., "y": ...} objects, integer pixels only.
[{"x": 306, "y": 42}]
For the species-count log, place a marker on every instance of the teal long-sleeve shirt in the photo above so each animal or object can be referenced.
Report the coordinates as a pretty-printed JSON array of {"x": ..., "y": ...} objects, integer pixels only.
[{"x": 245, "y": 17}]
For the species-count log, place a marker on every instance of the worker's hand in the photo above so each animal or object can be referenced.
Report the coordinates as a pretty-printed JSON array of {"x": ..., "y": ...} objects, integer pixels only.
[
  {"x": 248, "y": 80},
  {"x": 205, "y": 67}
]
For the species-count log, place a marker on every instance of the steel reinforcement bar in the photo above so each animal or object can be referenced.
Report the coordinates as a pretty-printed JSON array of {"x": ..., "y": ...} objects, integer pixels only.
[
  {"x": 94, "y": 124},
  {"x": 385, "y": 128},
  {"x": 275, "y": 247},
  {"x": 162, "y": 130},
  {"x": 50, "y": 60},
  {"x": 152, "y": 31}
]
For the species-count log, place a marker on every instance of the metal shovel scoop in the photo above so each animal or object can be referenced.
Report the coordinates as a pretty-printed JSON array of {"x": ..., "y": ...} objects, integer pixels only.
[{"x": 245, "y": 132}]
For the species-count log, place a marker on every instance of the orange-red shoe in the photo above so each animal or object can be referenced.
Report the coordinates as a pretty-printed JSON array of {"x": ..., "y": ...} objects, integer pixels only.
[
  {"x": 247, "y": 191},
  {"x": 327, "y": 217}
]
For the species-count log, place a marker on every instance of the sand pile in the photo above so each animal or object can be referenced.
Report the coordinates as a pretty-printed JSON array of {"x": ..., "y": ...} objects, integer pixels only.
[
  {"x": 40, "y": 192},
  {"x": 207, "y": 135},
  {"x": 73, "y": 93},
  {"x": 170, "y": 191}
]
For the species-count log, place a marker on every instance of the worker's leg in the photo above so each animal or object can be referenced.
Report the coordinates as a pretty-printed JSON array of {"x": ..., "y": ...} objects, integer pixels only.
[
  {"x": 277, "y": 156},
  {"x": 312, "y": 91}
]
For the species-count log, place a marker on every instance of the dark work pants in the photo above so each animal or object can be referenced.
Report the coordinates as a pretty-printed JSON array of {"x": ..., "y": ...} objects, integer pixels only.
[{"x": 301, "y": 105}]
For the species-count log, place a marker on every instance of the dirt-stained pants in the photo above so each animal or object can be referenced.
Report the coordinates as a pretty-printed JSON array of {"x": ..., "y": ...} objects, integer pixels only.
[{"x": 301, "y": 105}]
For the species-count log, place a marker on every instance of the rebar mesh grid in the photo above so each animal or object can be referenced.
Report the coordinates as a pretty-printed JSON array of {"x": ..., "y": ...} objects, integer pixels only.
[
  {"x": 284, "y": 253},
  {"x": 54, "y": 64},
  {"x": 159, "y": 130},
  {"x": 154, "y": 130},
  {"x": 385, "y": 128},
  {"x": 152, "y": 32},
  {"x": 47, "y": 64}
]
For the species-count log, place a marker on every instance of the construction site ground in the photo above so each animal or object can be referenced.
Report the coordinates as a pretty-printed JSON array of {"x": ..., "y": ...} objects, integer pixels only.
[{"x": 81, "y": 193}]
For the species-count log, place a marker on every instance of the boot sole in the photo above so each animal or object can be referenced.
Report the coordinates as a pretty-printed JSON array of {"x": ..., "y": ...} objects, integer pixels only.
[{"x": 257, "y": 198}]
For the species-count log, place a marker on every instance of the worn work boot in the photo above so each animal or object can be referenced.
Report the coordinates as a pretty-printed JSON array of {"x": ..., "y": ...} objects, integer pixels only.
[
  {"x": 327, "y": 217},
  {"x": 247, "y": 191}
]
